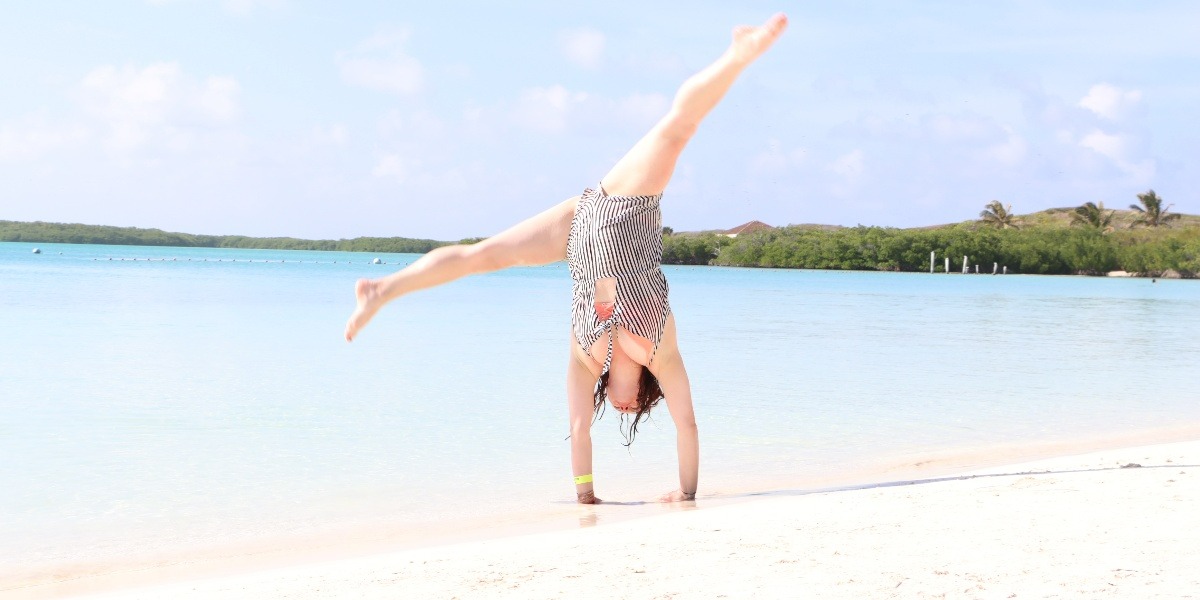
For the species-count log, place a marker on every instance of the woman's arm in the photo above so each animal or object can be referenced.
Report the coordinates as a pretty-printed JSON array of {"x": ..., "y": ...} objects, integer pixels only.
[
  {"x": 687, "y": 443},
  {"x": 580, "y": 384},
  {"x": 687, "y": 436},
  {"x": 672, "y": 377}
]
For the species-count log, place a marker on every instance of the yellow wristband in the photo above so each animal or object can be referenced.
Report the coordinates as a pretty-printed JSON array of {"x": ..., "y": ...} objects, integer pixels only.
[{"x": 582, "y": 479}]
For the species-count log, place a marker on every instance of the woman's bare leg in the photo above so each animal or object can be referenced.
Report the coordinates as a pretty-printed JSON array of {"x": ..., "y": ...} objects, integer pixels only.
[
  {"x": 539, "y": 240},
  {"x": 648, "y": 166}
]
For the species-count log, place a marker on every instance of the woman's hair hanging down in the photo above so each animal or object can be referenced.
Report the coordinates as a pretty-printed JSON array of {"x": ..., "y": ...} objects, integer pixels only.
[{"x": 648, "y": 395}]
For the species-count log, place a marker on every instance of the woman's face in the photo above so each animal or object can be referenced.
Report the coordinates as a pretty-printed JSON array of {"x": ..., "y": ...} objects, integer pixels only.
[{"x": 624, "y": 375}]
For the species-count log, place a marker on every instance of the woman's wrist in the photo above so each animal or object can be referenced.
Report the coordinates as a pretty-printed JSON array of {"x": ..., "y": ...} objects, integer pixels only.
[{"x": 583, "y": 489}]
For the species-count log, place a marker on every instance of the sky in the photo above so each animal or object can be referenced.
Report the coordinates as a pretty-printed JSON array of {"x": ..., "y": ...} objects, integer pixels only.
[{"x": 448, "y": 120}]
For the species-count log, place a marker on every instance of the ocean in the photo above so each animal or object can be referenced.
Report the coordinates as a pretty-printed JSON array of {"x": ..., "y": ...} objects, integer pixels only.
[{"x": 160, "y": 402}]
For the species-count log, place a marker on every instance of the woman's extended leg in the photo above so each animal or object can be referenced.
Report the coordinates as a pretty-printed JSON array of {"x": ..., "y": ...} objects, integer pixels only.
[
  {"x": 647, "y": 167},
  {"x": 539, "y": 240}
]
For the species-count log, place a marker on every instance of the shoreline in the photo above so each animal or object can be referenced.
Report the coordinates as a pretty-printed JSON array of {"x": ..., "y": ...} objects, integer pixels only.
[
  {"x": 933, "y": 473},
  {"x": 1164, "y": 274}
]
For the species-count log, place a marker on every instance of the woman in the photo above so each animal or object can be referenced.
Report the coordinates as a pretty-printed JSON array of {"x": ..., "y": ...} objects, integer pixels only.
[{"x": 624, "y": 348}]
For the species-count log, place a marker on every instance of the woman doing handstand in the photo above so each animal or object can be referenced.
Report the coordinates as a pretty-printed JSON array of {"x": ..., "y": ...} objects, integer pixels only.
[{"x": 624, "y": 348}]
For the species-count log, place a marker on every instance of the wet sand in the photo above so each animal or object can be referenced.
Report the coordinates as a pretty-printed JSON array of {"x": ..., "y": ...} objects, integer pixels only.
[{"x": 1115, "y": 524}]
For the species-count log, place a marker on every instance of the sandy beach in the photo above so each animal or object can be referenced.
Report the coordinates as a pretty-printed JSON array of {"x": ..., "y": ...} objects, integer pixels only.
[{"x": 1114, "y": 524}]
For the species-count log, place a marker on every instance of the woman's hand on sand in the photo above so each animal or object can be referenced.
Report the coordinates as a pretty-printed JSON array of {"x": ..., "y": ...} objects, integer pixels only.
[{"x": 677, "y": 496}]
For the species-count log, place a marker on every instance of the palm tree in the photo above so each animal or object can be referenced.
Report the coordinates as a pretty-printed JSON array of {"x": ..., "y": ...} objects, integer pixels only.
[
  {"x": 1091, "y": 215},
  {"x": 999, "y": 216},
  {"x": 1151, "y": 213}
]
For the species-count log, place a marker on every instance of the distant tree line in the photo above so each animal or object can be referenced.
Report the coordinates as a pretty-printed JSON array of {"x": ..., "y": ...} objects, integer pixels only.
[
  {"x": 1088, "y": 241},
  {"x": 73, "y": 233},
  {"x": 1083, "y": 240},
  {"x": 1047, "y": 251}
]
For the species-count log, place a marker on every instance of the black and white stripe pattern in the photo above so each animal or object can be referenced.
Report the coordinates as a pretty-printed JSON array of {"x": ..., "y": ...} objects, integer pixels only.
[{"x": 617, "y": 237}]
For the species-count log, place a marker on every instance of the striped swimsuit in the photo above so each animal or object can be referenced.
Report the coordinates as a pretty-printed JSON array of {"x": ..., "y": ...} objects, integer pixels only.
[{"x": 618, "y": 237}]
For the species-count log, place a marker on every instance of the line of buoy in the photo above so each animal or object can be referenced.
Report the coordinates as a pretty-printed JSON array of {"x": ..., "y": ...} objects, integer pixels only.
[
  {"x": 374, "y": 261},
  {"x": 315, "y": 262}
]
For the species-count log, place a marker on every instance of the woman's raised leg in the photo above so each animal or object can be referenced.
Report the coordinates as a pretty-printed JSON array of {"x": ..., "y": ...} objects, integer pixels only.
[
  {"x": 648, "y": 166},
  {"x": 539, "y": 240}
]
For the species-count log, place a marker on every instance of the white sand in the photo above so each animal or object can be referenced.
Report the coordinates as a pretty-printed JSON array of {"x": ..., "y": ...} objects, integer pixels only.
[{"x": 1072, "y": 527}]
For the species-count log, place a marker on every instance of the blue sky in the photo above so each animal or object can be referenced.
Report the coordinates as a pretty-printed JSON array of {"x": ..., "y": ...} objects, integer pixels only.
[{"x": 455, "y": 119}]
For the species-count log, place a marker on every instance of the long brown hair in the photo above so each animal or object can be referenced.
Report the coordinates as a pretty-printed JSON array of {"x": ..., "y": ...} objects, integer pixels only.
[{"x": 648, "y": 395}]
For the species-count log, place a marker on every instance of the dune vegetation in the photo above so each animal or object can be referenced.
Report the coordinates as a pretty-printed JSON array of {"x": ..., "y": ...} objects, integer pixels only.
[{"x": 1147, "y": 239}]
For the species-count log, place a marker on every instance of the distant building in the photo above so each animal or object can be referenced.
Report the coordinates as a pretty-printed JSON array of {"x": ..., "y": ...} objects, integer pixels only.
[{"x": 751, "y": 227}]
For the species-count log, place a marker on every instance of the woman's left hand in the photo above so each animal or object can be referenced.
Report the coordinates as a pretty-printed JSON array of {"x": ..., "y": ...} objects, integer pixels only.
[{"x": 677, "y": 496}]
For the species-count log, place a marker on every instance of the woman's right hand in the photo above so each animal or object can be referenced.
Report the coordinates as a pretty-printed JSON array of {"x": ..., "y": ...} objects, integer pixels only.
[{"x": 587, "y": 498}]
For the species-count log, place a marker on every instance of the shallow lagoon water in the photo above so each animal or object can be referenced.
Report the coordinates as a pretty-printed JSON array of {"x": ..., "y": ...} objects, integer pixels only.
[{"x": 200, "y": 398}]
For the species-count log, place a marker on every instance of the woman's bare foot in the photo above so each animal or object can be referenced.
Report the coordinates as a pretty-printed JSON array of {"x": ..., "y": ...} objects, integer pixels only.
[
  {"x": 369, "y": 298},
  {"x": 750, "y": 42}
]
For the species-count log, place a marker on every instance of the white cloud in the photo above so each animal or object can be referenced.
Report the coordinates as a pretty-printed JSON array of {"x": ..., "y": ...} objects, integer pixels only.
[
  {"x": 237, "y": 7},
  {"x": 1009, "y": 152},
  {"x": 547, "y": 109},
  {"x": 333, "y": 135},
  {"x": 555, "y": 109},
  {"x": 960, "y": 129},
  {"x": 391, "y": 122},
  {"x": 381, "y": 63},
  {"x": 245, "y": 7},
  {"x": 1112, "y": 146},
  {"x": 776, "y": 159},
  {"x": 849, "y": 166},
  {"x": 217, "y": 99},
  {"x": 158, "y": 102},
  {"x": 849, "y": 169},
  {"x": 130, "y": 93},
  {"x": 394, "y": 167},
  {"x": 584, "y": 47},
  {"x": 35, "y": 136},
  {"x": 412, "y": 125},
  {"x": 158, "y": 92},
  {"x": 1110, "y": 102},
  {"x": 1118, "y": 149},
  {"x": 643, "y": 108}
]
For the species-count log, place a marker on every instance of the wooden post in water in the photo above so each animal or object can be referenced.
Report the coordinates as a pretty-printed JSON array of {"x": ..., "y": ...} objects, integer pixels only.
[
  {"x": 931, "y": 257},
  {"x": 1005, "y": 270},
  {"x": 947, "y": 265},
  {"x": 965, "y": 268},
  {"x": 976, "y": 269},
  {"x": 995, "y": 266}
]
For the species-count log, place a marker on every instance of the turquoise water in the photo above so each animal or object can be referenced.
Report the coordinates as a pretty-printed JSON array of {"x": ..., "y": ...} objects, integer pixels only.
[{"x": 202, "y": 398}]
